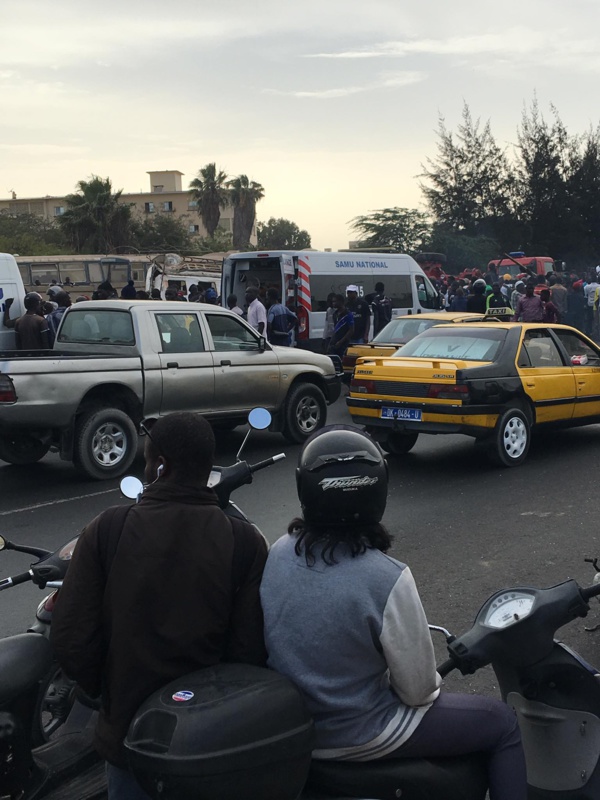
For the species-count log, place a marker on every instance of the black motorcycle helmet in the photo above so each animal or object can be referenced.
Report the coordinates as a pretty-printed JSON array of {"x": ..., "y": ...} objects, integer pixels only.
[{"x": 342, "y": 478}]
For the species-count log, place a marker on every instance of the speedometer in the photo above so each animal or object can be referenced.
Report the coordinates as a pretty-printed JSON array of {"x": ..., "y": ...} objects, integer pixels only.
[{"x": 508, "y": 608}]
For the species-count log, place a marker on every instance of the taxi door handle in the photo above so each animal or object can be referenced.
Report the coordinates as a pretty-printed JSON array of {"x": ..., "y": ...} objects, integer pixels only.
[{"x": 531, "y": 384}]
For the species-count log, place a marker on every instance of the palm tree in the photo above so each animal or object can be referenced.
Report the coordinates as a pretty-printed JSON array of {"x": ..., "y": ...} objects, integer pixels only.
[
  {"x": 209, "y": 191},
  {"x": 243, "y": 196},
  {"x": 95, "y": 221}
]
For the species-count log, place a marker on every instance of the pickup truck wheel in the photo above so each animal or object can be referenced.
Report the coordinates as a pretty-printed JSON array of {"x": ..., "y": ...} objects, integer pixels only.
[
  {"x": 305, "y": 412},
  {"x": 511, "y": 439},
  {"x": 22, "y": 449},
  {"x": 398, "y": 444},
  {"x": 106, "y": 443}
]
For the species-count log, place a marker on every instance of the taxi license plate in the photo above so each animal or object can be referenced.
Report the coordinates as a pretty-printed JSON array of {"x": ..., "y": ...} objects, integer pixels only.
[{"x": 409, "y": 414}]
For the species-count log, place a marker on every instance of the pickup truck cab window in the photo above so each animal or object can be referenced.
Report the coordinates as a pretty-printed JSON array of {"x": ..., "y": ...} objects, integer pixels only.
[
  {"x": 230, "y": 335},
  {"x": 180, "y": 333},
  {"x": 106, "y": 327}
]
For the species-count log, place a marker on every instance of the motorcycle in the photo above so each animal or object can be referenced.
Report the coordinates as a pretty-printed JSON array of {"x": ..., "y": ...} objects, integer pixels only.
[
  {"x": 554, "y": 692},
  {"x": 46, "y": 722}
]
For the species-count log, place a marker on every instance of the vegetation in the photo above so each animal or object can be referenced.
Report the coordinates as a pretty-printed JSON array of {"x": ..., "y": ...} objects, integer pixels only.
[
  {"x": 95, "y": 221},
  {"x": 281, "y": 234},
  {"x": 244, "y": 194},
  {"x": 405, "y": 230},
  {"x": 210, "y": 193},
  {"x": 29, "y": 234}
]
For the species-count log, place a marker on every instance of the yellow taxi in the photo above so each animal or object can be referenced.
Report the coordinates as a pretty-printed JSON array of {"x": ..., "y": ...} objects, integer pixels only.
[
  {"x": 398, "y": 332},
  {"x": 491, "y": 380}
]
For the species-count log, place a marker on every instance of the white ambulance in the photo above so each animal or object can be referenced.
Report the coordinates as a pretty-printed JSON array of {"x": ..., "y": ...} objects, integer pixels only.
[
  {"x": 304, "y": 279},
  {"x": 11, "y": 285}
]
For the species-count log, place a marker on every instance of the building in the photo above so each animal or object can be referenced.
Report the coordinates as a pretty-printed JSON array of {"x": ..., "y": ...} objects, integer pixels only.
[{"x": 166, "y": 196}]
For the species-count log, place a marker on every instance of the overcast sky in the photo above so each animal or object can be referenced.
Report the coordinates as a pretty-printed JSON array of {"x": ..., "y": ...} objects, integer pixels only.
[{"x": 332, "y": 105}]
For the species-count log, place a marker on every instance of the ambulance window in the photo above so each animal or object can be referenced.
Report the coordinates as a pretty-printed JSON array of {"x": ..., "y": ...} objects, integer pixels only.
[
  {"x": 396, "y": 287},
  {"x": 428, "y": 297}
]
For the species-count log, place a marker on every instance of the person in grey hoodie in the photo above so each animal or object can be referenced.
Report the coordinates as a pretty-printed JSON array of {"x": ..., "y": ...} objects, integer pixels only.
[{"x": 344, "y": 622}]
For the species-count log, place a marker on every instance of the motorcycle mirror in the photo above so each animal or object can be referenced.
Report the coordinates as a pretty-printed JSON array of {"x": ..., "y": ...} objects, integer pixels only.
[
  {"x": 2, "y": 542},
  {"x": 259, "y": 419},
  {"x": 131, "y": 487}
]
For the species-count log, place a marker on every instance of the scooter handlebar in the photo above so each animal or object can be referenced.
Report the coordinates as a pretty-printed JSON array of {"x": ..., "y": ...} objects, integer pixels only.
[
  {"x": 267, "y": 462},
  {"x": 446, "y": 668},
  {"x": 15, "y": 580}
]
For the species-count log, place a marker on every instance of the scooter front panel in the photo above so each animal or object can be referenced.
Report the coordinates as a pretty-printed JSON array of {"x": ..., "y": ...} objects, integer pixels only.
[{"x": 561, "y": 745}]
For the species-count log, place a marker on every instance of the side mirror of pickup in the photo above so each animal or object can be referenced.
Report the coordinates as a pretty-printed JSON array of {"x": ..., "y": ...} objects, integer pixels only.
[{"x": 262, "y": 344}]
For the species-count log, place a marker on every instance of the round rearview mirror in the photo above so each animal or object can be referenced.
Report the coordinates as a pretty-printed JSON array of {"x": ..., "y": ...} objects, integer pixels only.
[
  {"x": 131, "y": 487},
  {"x": 259, "y": 419},
  {"x": 2, "y": 542}
]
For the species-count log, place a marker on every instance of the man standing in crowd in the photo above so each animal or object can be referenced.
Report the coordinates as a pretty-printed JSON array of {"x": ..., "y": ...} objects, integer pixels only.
[
  {"x": 558, "y": 294},
  {"x": 257, "y": 314},
  {"x": 343, "y": 327},
  {"x": 590, "y": 296},
  {"x": 127, "y": 292},
  {"x": 233, "y": 306},
  {"x": 530, "y": 307},
  {"x": 361, "y": 313},
  {"x": 31, "y": 330},
  {"x": 159, "y": 589},
  {"x": 63, "y": 300},
  {"x": 381, "y": 305},
  {"x": 280, "y": 320}
]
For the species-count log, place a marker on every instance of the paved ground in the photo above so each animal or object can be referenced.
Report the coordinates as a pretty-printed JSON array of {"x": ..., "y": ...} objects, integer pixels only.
[{"x": 466, "y": 528}]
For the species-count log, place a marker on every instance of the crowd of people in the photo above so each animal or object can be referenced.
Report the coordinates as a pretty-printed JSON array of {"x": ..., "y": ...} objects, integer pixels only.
[{"x": 554, "y": 297}]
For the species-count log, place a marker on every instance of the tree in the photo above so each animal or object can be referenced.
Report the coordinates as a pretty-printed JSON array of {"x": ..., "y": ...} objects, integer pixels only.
[
  {"x": 162, "y": 233},
  {"x": 95, "y": 221},
  {"x": 210, "y": 192},
  {"x": 29, "y": 234},
  {"x": 243, "y": 196},
  {"x": 281, "y": 234},
  {"x": 462, "y": 251},
  {"x": 470, "y": 186},
  {"x": 583, "y": 245},
  {"x": 402, "y": 229}
]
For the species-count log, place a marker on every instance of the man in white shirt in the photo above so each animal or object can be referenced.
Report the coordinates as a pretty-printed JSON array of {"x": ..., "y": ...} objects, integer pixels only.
[
  {"x": 257, "y": 313},
  {"x": 233, "y": 306},
  {"x": 590, "y": 296}
]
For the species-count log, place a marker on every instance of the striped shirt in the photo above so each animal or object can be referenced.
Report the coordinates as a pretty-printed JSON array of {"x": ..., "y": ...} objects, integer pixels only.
[{"x": 354, "y": 638}]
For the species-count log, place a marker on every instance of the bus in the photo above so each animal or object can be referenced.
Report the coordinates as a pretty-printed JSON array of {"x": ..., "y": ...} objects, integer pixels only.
[{"x": 81, "y": 273}]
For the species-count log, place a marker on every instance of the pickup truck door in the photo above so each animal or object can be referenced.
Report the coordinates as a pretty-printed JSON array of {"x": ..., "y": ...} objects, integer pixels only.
[
  {"x": 245, "y": 377},
  {"x": 187, "y": 371}
]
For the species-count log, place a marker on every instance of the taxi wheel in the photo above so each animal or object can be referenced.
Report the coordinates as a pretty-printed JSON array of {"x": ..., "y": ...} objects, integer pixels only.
[
  {"x": 511, "y": 440},
  {"x": 398, "y": 444}
]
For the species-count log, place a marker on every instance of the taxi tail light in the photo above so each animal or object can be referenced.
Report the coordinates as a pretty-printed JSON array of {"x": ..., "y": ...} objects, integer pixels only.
[
  {"x": 445, "y": 391},
  {"x": 7, "y": 390},
  {"x": 362, "y": 386}
]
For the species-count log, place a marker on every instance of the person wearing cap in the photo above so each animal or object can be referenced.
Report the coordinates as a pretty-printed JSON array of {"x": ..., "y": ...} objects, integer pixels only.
[
  {"x": 361, "y": 313},
  {"x": 518, "y": 291}
]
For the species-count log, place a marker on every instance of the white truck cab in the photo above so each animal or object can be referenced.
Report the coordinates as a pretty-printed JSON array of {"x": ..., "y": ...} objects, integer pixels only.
[{"x": 11, "y": 285}]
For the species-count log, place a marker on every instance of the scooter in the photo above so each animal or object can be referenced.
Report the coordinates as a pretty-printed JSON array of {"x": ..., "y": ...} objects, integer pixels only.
[
  {"x": 66, "y": 767},
  {"x": 555, "y": 693}
]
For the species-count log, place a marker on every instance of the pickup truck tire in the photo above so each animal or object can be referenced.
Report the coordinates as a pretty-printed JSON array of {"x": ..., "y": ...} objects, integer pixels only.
[
  {"x": 398, "y": 444},
  {"x": 305, "y": 412},
  {"x": 106, "y": 442},
  {"x": 22, "y": 449},
  {"x": 511, "y": 439}
]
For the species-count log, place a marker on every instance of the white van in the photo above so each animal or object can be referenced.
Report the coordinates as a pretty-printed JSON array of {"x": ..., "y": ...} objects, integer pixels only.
[
  {"x": 11, "y": 285},
  {"x": 304, "y": 278}
]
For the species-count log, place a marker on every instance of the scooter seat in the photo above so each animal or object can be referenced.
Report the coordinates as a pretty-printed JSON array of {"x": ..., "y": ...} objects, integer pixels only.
[
  {"x": 24, "y": 660},
  {"x": 459, "y": 778}
]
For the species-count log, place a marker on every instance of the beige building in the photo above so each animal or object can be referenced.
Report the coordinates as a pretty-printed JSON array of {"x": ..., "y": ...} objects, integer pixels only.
[{"x": 166, "y": 196}]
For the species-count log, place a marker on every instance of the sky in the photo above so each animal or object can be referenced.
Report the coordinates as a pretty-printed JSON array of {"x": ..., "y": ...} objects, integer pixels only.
[{"x": 332, "y": 105}]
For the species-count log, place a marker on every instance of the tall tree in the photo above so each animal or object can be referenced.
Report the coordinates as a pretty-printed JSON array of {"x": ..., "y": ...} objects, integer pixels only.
[
  {"x": 545, "y": 157},
  {"x": 162, "y": 233},
  {"x": 209, "y": 190},
  {"x": 403, "y": 229},
  {"x": 469, "y": 185},
  {"x": 30, "y": 234},
  {"x": 281, "y": 234},
  {"x": 243, "y": 196},
  {"x": 95, "y": 221},
  {"x": 584, "y": 191}
]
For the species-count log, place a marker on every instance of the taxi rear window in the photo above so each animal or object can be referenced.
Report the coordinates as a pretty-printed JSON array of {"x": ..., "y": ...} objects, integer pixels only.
[{"x": 479, "y": 345}]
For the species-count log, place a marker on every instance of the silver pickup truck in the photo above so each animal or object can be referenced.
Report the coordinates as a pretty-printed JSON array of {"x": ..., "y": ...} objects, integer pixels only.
[{"x": 117, "y": 362}]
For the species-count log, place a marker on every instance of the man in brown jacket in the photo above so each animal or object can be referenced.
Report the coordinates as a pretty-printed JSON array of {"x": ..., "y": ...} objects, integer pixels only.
[{"x": 168, "y": 595}]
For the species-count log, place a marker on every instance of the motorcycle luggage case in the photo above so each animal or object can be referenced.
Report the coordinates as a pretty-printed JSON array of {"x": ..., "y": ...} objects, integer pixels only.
[{"x": 232, "y": 732}]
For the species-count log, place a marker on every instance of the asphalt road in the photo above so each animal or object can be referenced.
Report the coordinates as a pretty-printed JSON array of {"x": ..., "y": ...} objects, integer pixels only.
[{"x": 466, "y": 528}]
